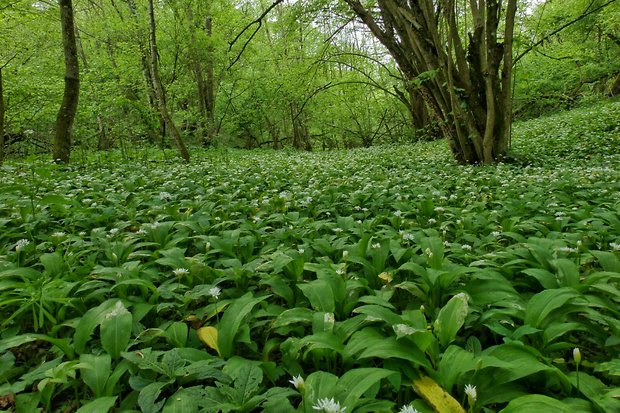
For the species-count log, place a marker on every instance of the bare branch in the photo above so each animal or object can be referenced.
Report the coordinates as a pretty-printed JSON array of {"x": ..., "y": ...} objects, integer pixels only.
[
  {"x": 559, "y": 29},
  {"x": 259, "y": 22}
]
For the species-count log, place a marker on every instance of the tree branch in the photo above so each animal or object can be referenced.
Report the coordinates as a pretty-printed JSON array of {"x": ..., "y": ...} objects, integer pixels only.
[
  {"x": 559, "y": 29},
  {"x": 259, "y": 22}
]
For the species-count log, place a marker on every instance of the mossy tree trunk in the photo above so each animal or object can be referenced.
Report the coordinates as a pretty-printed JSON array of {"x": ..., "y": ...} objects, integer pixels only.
[{"x": 68, "y": 108}]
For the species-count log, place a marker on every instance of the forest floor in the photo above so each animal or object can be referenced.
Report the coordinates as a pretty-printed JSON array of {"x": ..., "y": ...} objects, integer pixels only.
[{"x": 385, "y": 279}]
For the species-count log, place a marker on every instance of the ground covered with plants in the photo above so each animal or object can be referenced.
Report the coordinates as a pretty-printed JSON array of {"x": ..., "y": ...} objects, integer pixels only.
[{"x": 386, "y": 279}]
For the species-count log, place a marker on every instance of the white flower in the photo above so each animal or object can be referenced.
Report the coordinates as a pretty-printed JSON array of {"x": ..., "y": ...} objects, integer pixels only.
[
  {"x": 466, "y": 247},
  {"x": 329, "y": 406},
  {"x": 345, "y": 254},
  {"x": 179, "y": 272},
  {"x": 439, "y": 209},
  {"x": 338, "y": 230},
  {"x": 328, "y": 318},
  {"x": 58, "y": 234},
  {"x": 215, "y": 292},
  {"x": 298, "y": 382},
  {"x": 496, "y": 233},
  {"x": 432, "y": 221},
  {"x": 567, "y": 249},
  {"x": 21, "y": 244},
  {"x": 403, "y": 329},
  {"x": 408, "y": 409},
  {"x": 118, "y": 309},
  {"x": 398, "y": 213},
  {"x": 577, "y": 355},
  {"x": 470, "y": 391},
  {"x": 376, "y": 246},
  {"x": 341, "y": 271},
  {"x": 428, "y": 252},
  {"x": 301, "y": 250},
  {"x": 165, "y": 195},
  {"x": 615, "y": 246}
]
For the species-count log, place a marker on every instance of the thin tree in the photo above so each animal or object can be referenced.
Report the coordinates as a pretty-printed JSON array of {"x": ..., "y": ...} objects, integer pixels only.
[
  {"x": 465, "y": 83},
  {"x": 68, "y": 108},
  {"x": 159, "y": 90},
  {"x": 2, "y": 110}
]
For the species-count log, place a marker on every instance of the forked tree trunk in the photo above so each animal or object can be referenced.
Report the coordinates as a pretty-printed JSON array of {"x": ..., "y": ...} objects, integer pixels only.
[
  {"x": 2, "y": 110},
  {"x": 466, "y": 85},
  {"x": 159, "y": 90},
  {"x": 66, "y": 114}
]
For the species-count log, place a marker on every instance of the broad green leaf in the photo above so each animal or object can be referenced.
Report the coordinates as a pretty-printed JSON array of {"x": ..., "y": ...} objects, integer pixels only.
[
  {"x": 228, "y": 326},
  {"x": 297, "y": 315},
  {"x": 454, "y": 362},
  {"x": 88, "y": 322},
  {"x": 358, "y": 381},
  {"x": 176, "y": 334},
  {"x": 545, "y": 302},
  {"x": 181, "y": 402},
  {"x": 369, "y": 343},
  {"x": 451, "y": 318},
  {"x": 319, "y": 385},
  {"x": 568, "y": 272},
  {"x": 536, "y": 403},
  {"x": 608, "y": 260},
  {"x": 320, "y": 295},
  {"x": 147, "y": 399},
  {"x": 99, "y": 405},
  {"x": 116, "y": 330},
  {"x": 95, "y": 372}
]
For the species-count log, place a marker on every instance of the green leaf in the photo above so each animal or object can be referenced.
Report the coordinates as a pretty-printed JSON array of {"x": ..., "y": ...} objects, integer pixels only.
[
  {"x": 148, "y": 397},
  {"x": 176, "y": 334},
  {"x": 99, "y": 405},
  {"x": 181, "y": 402},
  {"x": 95, "y": 372},
  {"x": 320, "y": 295},
  {"x": 358, "y": 381},
  {"x": 568, "y": 272},
  {"x": 545, "y": 302},
  {"x": 88, "y": 322},
  {"x": 608, "y": 260},
  {"x": 116, "y": 330},
  {"x": 536, "y": 403},
  {"x": 370, "y": 343},
  {"x": 451, "y": 318},
  {"x": 231, "y": 321}
]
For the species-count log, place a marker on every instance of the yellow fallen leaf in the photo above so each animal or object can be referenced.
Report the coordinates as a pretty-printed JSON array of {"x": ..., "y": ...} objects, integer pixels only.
[
  {"x": 436, "y": 396},
  {"x": 208, "y": 335}
]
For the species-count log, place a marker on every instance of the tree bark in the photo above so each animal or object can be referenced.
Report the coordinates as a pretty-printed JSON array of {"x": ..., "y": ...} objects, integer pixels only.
[
  {"x": 463, "y": 84},
  {"x": 2, "y": 111},
  {"x": 159, "y": 90},
  {"x": 68, "y": 108}
]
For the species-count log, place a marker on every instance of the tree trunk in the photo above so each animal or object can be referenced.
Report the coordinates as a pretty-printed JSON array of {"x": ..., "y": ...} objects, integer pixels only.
[
  {"x": 301, "y": 136},
  {"x": 146, "y": 72},
  {"x": 2, "y": 110},
  {"x": 66, "y": 114},
  {"x": 204, "y": 81},
  {"x": 464, "y": 85},
  {"x": 159, "y": 90}
]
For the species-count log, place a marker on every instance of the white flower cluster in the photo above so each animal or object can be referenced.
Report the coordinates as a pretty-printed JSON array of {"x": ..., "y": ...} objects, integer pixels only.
[{"x": 329, "y": 406}]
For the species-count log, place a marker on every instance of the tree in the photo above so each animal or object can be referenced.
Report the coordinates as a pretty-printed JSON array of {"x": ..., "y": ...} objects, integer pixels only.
[
  {"x": 1, "y": 119},
  {"x": 159, "y": 90},
  {"x": 66, "y": 114},
  {"x": 465, "y": 83}
]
